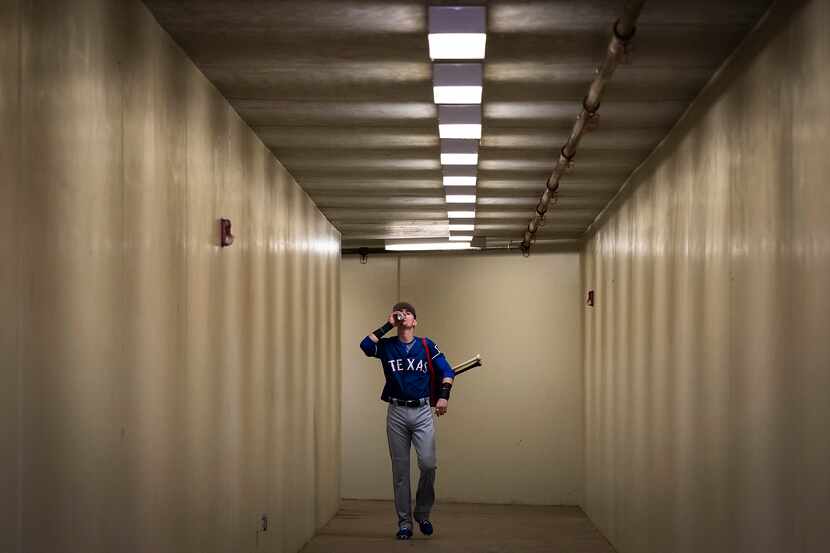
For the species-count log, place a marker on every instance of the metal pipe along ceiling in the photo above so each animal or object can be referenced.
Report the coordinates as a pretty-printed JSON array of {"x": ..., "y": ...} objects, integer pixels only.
[{"x": 588, "y": 118}]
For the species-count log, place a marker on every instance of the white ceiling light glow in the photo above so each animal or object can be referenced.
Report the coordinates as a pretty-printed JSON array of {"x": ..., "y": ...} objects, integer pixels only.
[
  {"x": 461, "y": 214},
  {"x": 459, "y": 175},
  {"x": 460, "y": 227},
  {"x": 457, "y": 46},
  {"x": 457, "y": 83},
  {"x": 461, "y": 195},
  {"x": 459, "y": 122},
  {"x": 459, "y": 131},
  {"x": 459, "y": 159},
  {"x": 459, "y": 152},
  {"x": 459, "y": 181},
  {"x": 427, "y": 246},
  {"x": 461, "y": 238},
  {"x": 457, "y": 33},
  {"x": 456, "y": 94},
  {"x": 460, "y": 198}
]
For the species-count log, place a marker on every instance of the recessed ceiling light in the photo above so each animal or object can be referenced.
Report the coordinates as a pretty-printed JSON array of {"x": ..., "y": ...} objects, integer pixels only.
[
  {"x": 459, "y": 175},
  {"x": 461, "y": 238},
  {"x": 461, "y": 214},
  {"x": 459, "y": 159},
  {"x": 459, "y": 131},
  {"x": 428, "y": 246},
  {"x": 459, "y": 152},
  {"x": 457, "y": 83},
  {"x": 457, "y": 32},
  {"x": 461, "y": 227},
  {"x": 459, "y": 122},
  {"x": 460, "y": 198},
  {"x": 459, "y": 181},
  {"x": 457, "y": 46},
  {"x": 457, "y": 94}
]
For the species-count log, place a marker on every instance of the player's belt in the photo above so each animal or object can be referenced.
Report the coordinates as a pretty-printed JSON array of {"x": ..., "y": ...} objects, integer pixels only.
[{"x": 409, "y": 402}]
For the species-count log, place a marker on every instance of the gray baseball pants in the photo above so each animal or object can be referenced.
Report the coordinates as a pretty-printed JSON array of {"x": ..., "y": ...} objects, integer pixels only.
[{"x": 406, "y": 426}]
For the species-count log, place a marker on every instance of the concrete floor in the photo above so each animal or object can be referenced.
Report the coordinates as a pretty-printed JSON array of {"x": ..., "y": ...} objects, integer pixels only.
[{"x": 369, "y": 526}]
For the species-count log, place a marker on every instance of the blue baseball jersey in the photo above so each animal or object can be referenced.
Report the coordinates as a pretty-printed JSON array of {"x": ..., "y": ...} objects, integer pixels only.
[{"x": 407, "y": 372}]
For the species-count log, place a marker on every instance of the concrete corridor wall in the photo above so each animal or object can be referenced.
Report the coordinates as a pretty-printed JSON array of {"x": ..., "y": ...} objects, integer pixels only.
[
  {"x": 157, "y": 393},
  {"x": 707, "y": 353}
]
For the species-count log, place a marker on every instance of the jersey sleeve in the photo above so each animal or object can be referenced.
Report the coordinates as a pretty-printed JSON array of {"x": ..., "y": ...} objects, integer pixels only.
[
  {"x": 439, "y": 360},
  {"x": 370, "y": 348}
]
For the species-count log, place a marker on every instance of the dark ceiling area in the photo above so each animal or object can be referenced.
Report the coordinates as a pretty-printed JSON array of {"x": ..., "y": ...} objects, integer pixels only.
[{"x": 341, "y": 92}]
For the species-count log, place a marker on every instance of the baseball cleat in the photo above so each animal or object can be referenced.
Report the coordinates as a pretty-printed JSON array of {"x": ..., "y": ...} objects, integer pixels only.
[{"x": 426, "y": 527}]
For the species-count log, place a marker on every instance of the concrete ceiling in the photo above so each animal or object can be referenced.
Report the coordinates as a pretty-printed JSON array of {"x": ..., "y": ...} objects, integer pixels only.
[{"x": 341, "y": 92}]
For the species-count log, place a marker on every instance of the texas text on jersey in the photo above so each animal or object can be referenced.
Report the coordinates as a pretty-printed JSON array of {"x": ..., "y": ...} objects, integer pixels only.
[{"x": 406, "y": 366}]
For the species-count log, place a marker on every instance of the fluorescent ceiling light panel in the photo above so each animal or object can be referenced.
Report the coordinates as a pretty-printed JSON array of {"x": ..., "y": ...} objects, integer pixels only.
[
  {"x": 457, "y": 46},
  {"x": 457, "y": 32},
  {"x": 461, "y": 227},
  {"x": 460, "y": 198},
  {"x": 461, "y": 238},
  {"x": 427, "y": 246},
  {"x": 456, "y": 94},
  {"x": 461, "y": 195},
  {"x": 459, "y": 131},
  {"x": 459, "y": 181},
  {"x": 459, "y": 152},
  {"x": 459, "y": 175},
  {"x": 457, "y": 83},
  {"x": 459, "y": 121},
  {"x": 459, "y": 159},
  {"x": 461, "y": 214}
]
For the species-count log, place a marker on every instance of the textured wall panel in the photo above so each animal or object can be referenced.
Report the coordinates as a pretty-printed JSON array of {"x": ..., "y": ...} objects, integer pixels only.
[
  {"x": 172, "y": 391},
  {"x": 368, "y": 292},
  {"x": 705, "y": 426},
  {"x": 12, "y": 298},
  {"x": 73, "y": 333}
]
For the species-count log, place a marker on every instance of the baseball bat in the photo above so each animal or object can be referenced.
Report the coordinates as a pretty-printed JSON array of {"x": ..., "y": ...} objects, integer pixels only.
[{"x": 467, "y": 365}]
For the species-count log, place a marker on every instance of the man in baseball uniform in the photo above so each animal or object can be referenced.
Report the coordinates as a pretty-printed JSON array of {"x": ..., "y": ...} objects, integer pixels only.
[{"x": 418, "y": 376}]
